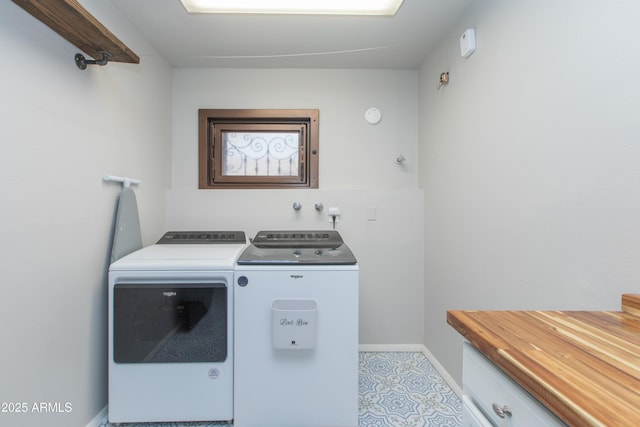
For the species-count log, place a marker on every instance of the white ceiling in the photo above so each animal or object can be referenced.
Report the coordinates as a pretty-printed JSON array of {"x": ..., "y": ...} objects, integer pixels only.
[{"x": 293, "y": 41}]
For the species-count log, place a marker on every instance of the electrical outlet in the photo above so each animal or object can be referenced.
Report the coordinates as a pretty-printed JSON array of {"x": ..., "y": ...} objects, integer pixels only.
[{"x": 334, "y": 212}]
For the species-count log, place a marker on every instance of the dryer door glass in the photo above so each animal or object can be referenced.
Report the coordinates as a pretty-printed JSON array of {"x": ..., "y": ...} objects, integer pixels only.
[{"x": 169, "y": 323}]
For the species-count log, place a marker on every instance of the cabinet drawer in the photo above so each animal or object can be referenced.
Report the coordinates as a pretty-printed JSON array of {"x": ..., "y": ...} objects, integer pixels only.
[
  {"x": 471, "y": 415},
  {"x": 485, "y": 385}
]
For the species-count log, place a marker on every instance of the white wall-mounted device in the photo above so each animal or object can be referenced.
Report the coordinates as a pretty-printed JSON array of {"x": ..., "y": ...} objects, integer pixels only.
[
  {"x": 373, "y": 116},
  {"x": 468, "y": 43}
]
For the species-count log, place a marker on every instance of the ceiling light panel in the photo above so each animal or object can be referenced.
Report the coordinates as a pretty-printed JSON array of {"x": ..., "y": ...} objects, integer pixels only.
[{"x": 299, "y": 7}]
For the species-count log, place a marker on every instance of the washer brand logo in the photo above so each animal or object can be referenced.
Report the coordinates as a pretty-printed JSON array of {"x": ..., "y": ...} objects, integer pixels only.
[
  {"x": 296, "y": 276},
  {"x": 214, "y": 373},
  {"x": 169, "y": 294}
]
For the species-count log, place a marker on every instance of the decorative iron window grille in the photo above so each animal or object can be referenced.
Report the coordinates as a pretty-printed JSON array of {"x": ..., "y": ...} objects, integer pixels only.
[
  {"x": 260, "y": 153},
  {"x": 258, "y": 148}
]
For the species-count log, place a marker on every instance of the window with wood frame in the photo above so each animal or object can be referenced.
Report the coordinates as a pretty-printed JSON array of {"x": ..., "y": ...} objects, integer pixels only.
[{"x": 258, "y": 148}]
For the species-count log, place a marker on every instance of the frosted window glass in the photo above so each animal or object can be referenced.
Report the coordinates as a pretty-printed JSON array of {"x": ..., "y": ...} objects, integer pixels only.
[{"x": 260, "y": 153}]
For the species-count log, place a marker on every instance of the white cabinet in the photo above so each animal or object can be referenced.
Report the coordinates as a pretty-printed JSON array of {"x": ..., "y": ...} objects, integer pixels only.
[
  {"x": 471, "y": 415},
  {"x": 491, "y": 398}
]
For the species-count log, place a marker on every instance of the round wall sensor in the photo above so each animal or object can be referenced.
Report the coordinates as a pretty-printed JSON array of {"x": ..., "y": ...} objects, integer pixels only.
[{"x": 373, "y": 115}]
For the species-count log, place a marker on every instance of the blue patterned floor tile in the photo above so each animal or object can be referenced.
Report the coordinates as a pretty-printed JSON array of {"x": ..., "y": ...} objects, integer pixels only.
[{"x": 405, "y": 390}]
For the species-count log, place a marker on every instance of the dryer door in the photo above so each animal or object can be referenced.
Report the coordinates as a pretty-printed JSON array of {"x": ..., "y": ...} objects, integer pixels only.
[{"x": 170, "y": 323}]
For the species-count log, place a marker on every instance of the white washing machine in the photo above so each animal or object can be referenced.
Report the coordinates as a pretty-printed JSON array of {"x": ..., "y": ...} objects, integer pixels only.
[
  {"x": 171, "y": 329},
  {"x": 296, "y": 331}
]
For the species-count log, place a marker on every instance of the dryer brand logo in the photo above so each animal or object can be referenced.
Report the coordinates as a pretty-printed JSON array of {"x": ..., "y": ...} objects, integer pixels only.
[
  {"x": 169, "y": 294},
  {"x": 296, "y": 276}
]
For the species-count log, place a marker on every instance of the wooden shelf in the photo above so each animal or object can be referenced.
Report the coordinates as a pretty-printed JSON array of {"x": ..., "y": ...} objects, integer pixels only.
[{"x": 73, "y": 22}]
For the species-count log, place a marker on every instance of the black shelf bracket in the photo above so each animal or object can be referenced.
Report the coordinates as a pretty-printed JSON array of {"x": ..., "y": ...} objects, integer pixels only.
[{"x": 82, "y": 62}]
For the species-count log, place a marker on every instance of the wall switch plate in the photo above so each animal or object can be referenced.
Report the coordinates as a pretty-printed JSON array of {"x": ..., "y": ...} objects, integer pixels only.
[{"x": 372, "y": 213}]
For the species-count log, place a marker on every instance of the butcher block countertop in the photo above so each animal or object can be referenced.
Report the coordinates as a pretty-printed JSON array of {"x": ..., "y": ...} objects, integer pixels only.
[{"x": 583, "y": 365}]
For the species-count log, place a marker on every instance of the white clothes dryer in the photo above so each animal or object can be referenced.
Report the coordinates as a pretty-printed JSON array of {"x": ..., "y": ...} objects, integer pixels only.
[{"x": 171, "y": 329}]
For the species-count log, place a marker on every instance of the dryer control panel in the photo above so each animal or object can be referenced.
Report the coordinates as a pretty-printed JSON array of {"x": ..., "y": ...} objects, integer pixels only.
[{"x": 202, "y": 237}]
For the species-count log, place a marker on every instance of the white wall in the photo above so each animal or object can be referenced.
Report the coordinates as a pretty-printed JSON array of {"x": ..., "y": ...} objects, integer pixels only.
[
  {"x": 530, "y": 162},
  {"x": 357, "y": 171},
  {"x": 62, "y": 129},
  {"x": 342, "y": 96}
]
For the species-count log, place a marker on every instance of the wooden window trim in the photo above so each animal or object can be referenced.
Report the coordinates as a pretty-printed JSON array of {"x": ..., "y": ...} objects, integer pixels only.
[{"x": 212, "y": 121}]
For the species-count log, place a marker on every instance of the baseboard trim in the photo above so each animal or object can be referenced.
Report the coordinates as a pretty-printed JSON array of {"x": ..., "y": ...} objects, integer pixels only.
[
  {"x": 97, "y": 420},
  {"x": 445, "y": 374},
  {"x": 419, "y": 348},
  {"x": 390, "y": 347}
]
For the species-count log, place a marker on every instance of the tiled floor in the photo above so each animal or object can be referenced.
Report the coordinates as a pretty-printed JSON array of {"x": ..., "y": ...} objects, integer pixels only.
[
  {"x": 405, "y": 390},
  {"x": 397, "y": 389}
]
